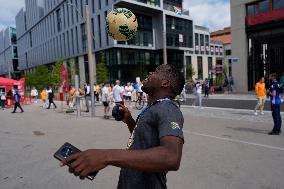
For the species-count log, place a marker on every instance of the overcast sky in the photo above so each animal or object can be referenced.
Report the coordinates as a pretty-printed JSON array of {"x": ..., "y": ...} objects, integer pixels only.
[{"x": 214, "y": 14}]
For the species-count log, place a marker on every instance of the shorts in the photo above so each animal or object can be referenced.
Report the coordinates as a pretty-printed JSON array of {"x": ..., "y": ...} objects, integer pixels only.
[
  {"x": 106, "y": 104},
  {"x": 127, "y": 97}
]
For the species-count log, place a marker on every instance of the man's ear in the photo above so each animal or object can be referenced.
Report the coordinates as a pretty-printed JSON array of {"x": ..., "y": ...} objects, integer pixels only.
[{"x": 165, "y": 83}]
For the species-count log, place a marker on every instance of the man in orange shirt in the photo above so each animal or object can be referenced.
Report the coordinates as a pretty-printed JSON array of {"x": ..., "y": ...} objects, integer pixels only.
[
  {"x": 261, "y": 96},
  {"x": 44, "y": 96}
]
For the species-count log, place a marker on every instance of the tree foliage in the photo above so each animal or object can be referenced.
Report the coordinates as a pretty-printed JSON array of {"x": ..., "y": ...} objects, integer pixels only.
[
  {"x": 189, "y": 71},
  {"x": 102, "y": 72},
  {"x": 55, "y": 78},
  {"x": 42, "y": 77}
]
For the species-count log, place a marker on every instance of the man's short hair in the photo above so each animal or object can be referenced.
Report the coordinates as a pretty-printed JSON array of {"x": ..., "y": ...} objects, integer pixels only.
[{"x": 175, "y": 76}]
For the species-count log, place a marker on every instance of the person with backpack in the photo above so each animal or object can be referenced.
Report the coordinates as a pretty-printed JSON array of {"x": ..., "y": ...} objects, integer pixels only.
[
  {"x": 50, "y": 97},
  {"x": 17, "y": 100},
  {"x": 274, "y": 92}
]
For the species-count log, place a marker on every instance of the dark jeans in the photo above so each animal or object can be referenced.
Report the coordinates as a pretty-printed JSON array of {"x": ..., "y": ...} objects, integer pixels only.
[
  {"x": 16, "y": 105},
  {"x": 2, "y": 104},
  {"x": 276, "y": 118},
  {"x": 51, "y": 102},
  {"x": 206, "y": 93}
]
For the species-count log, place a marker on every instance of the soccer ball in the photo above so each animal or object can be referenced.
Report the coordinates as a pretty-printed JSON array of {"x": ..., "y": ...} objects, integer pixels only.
[{"x": 121, "y": 24}]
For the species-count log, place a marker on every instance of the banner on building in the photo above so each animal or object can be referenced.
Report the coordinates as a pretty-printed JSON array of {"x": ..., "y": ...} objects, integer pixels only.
[
  {"x": 216, "y": 49},
  {"x": 180, "y": 38},
  {"x": 197, "y": 48},
  {"x": 212, "y": 49},
  {"x": 219, "y": 69},
  {"x": 202, "y": 48},
  {"x": 207, "y": 48}
]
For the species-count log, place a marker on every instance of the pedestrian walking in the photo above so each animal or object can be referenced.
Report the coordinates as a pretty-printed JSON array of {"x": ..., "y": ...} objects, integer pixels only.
[
  {"x": 211, "y": 85},
  {"x": 2, "y": 99},
  {"x": 156, "y": 142},
  {"x": 118, "y": 93},
  {"x": 106, "y": 100},
  {"x": 72, "y": 93},
  {"x": 97, "y": 92},
  {"x": 282, "y": 84},
  {"x": 183, "y": 94},
  {"x": 206, "y": 88},
  {"x": 260, "y": 95},
  {"x": 128, "y": 93},
  {"x": 34, "y": 94},
  {"x": 50, "y": 93},
  {"x": 198, "y": 99},
  {"x": 231, "y": 84},
  {"x": 44, "y": 97},
  {"x": 17, "y": 101},
  {"x": 87, "y": 90},
  {"x": 274, "y": 92}
]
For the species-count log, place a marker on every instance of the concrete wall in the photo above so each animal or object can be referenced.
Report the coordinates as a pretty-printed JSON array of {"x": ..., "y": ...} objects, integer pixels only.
[{"x": 239, "y": 44}]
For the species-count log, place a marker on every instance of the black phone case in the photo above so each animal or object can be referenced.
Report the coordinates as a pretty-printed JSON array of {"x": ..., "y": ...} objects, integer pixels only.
[{"x": 68, "y": 149}]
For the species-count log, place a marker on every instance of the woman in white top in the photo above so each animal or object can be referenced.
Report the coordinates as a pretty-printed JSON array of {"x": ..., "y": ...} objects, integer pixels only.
[{"x": 198, "y": 99}]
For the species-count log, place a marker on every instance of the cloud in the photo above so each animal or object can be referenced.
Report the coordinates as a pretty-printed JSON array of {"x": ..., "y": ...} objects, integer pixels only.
[
  {"x": 214, "y": 14},
  {"x": 8, "y": 12}
]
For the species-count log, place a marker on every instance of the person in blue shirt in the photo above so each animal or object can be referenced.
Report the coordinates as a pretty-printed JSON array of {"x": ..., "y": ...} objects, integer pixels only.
[
  {"x": 274, "y": 92},
  {"x": 17, "y": 100}
]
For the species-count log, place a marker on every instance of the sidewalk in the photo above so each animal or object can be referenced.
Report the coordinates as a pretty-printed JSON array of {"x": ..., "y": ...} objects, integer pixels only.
[{"x": 229, "y": 96}]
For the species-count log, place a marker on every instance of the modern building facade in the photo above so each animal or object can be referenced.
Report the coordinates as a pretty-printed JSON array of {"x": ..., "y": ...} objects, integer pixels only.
[
  {"x": 51, "y": 30},
  {"x": 224, "y": 37},
  {"x": 257, "y": 40},
  {"x": 8, "y": 53},
  {"x": 206, "y": 57}
]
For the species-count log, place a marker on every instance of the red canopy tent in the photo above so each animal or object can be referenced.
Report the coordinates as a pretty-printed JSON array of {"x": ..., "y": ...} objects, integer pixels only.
[
  {"x": 7, "y": 85},
  {"x": 5, "y": 81}
]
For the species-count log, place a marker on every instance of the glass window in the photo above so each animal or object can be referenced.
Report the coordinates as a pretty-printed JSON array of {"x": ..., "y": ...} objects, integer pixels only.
[
  {"x": 84, "y": 37},
  {"x": 59, "y": 21},
  {"x": 200, "y": 67},
  {"x": 15, "y": 52},
  {"x": 252, "y": 10},
  {"x": 210, "y": 65},
  {"x": 278, "y": 4},
  {"x": 264, "y": 6}
]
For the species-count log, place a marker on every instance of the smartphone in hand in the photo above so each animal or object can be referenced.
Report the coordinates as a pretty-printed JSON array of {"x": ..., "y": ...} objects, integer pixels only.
[{"x": 67, "y": 150}]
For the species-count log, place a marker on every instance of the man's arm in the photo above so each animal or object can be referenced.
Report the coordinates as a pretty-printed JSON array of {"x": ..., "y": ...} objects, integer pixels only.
[{"x": 165, "y": 157}]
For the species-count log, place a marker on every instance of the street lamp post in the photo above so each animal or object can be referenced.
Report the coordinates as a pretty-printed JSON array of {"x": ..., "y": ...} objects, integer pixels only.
[{"x": 91, "y": 59}]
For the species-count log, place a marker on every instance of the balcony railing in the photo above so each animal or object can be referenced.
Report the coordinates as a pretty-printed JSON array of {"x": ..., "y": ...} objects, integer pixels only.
[
  {"x": 149, "y": 2},
  {"x": 262, "y": 18}
]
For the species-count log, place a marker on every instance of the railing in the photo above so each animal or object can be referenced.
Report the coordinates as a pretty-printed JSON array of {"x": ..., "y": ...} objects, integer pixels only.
[{"x": 149, "y": 2}]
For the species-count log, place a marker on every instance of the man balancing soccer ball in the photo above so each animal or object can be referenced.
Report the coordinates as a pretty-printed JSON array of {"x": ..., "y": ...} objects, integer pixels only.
[{"x": 156, "y": 141}]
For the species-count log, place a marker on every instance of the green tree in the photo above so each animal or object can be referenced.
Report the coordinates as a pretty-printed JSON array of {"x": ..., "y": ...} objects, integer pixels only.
[
  {"x": 102, "y": 72},
  {"x": 189, "y": 71},
  {"x": 38, "y": 78},
  {"x": 55, "y": 79}
]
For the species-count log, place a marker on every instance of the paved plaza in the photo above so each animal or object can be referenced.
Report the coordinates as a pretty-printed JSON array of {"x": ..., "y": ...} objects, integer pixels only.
[{"x": 224, "y": 149}]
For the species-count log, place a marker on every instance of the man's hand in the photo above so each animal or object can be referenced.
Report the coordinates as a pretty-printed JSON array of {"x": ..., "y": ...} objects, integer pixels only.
[
  {"x": 127, "y": 114},
  {"x": 84, "y": 163}
]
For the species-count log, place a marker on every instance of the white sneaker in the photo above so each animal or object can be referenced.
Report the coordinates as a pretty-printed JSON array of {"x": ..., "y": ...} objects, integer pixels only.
[
  {"x": 255, "y": 113},
  {"x": 262, "y": 113}
]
